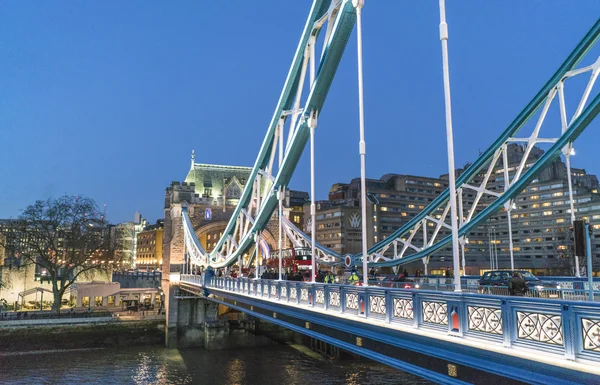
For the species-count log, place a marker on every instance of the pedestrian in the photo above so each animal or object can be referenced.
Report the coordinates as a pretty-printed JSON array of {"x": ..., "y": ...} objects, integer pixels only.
[
  {"x": 405, "y": 273},
  {"x": 353, "y": 278},
  {"x": 329, "y": 278},
  {"x": 517, "y": 285},
  {"x": 320, "y": 277}
]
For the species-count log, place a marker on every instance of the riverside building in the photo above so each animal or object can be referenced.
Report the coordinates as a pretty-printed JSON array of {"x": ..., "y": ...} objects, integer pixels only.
[{"x": 541, "y": 218}]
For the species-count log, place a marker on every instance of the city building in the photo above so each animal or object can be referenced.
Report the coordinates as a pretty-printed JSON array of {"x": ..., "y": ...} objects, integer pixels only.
[
  {"x": 126, "y": 240},
  {"x": 150, "y": 246},
  {"x": 213, "y": 192},
  {"x": 392, "y": 201},
  {"x": 541, "y": 218},
  {"x": 2, "y": 248}
]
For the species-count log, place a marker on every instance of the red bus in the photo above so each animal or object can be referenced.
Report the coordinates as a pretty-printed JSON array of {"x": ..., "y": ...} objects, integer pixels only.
[{"x": 298, "y": 258}]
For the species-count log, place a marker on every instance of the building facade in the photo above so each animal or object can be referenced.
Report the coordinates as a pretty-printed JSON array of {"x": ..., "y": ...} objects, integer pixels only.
[
  {"x": 150, "y": 247},
  {"x": 392, "y": 201},
  {"x": 541, "y": 218}
]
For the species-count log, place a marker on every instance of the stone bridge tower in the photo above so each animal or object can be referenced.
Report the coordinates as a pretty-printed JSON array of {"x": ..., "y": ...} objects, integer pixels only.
[{"x": 210, "y": 193}]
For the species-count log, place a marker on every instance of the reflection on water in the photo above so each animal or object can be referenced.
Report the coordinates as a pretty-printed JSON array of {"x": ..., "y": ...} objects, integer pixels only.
[{"x": 155, "y": 365}]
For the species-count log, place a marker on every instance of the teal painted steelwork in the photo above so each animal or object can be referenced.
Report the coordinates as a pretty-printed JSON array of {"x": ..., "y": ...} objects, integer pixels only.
[
  {"x": 343, "y": 25},
  {"x": 340, "y": 33},
  {"x": 319, "y": 8},
  {"x": 572, "y": 60},
  {"x": 549, "y": 156}
]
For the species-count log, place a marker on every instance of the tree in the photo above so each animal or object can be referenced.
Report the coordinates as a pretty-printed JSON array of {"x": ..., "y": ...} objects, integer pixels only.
[{"x": 64, "y": 238}]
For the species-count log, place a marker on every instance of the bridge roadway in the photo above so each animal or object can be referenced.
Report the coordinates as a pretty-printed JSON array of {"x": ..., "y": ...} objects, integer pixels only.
[{"x": 446, "y": 337}]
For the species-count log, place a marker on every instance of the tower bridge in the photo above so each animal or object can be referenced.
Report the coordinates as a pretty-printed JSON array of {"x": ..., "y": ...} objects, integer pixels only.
[{"x": 448, "y": 337}]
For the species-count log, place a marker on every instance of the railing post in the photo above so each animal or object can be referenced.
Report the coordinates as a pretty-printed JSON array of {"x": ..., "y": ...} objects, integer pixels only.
[
  {"x": 326, "y": 297},
  {"x": 363, "y": 304},
  {"x": 342, "y": 299},
  {"x": 456, "y": 315},
  {"x": 417, "y": 313},
  {"x": 508, "y": 326},
  {"x": 389, "y": 306},
  {"x": 569, "y": 335}
]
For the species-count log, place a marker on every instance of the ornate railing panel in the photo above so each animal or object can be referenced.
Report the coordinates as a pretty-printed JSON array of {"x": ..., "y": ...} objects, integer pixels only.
[{"x": 564, "y": 328}]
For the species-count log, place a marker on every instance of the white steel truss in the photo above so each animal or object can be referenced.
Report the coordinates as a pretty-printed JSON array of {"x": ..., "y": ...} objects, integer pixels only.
[
  {"x": 470, "y": 209},
  {"x": 288, "y": 121}
]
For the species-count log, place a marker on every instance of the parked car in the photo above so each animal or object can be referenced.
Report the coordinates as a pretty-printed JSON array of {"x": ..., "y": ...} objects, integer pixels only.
[{"x": 500, "y": 278}]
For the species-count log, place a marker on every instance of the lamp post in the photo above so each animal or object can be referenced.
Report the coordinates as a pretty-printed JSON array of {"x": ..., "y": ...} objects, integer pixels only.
[
  {"x": 358, "y": 4},
  {"x": 450, "y": 145}
]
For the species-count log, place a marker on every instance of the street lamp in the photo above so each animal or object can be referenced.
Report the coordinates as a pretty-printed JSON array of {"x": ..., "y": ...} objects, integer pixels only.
[{"x": 450, "y": 145}]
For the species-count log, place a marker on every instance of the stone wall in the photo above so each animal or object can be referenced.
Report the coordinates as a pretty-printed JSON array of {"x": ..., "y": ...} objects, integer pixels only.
[{"x": 81, "y": 336}]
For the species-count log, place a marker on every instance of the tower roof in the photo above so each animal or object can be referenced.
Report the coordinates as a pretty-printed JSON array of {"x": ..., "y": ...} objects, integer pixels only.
[{"x": 214, "y": 176}]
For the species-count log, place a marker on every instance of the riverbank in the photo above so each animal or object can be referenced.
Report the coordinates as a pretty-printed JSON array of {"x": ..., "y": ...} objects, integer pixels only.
[{"x": 88, "y": 335}]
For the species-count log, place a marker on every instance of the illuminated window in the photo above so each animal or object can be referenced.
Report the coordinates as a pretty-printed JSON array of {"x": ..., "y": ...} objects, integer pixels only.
[
  {"x": 535, "y": 206},
  {"x": 546, "y": 204},
  {"x": 384, "y": 208},
  {"x": 534, "y": 197},
  {"x": 403, "y": 214},
  {"x": 547, "y": 213},
  {"x": 561, "y": 220},
  {"x": 411, "y": 206}
]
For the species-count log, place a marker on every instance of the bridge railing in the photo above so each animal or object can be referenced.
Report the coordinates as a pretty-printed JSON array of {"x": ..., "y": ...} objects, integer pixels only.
[
  {"x": 561, "y": 327},
  {"x": 564, "y": 288}
]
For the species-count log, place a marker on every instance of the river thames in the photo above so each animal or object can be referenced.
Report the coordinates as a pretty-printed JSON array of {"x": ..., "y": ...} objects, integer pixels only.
[{"x": 279, "y": 364}]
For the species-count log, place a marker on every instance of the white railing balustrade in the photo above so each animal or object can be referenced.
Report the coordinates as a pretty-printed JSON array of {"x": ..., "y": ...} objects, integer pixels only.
[{"x": 562, "y": 326}]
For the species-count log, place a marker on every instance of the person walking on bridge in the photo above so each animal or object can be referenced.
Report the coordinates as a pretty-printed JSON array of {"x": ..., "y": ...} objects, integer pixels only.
[
  {"x": 517, "y": 285},
  {"x": 353, "y": 278},
  {"x": 329, "y": 278}
]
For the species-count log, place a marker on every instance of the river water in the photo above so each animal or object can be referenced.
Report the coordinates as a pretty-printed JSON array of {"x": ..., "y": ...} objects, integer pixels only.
[{"x": 274, "y": 365}]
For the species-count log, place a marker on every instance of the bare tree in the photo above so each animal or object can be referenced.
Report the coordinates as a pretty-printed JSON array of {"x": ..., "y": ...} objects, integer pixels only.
[{"x": 65, "y": 238}]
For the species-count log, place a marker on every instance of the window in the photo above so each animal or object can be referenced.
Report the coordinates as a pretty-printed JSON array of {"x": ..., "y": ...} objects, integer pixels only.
[
  {"x": 534, "y": 197},
  {"x": 296, "y": 218}
]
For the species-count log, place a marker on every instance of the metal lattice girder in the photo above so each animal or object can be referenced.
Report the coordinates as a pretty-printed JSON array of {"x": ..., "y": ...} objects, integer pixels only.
[
  {"x": 259, "y": 198},
  {"x": 526, "y": 171},
  {"x": 299, "y": 239}
]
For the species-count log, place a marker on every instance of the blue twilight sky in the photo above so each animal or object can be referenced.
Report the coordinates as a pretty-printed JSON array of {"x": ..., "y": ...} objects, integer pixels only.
[{"x": 107, "y": 99}]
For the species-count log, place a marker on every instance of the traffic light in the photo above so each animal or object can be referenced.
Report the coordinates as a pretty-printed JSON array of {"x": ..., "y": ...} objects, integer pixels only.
[{"x": 579, "y": 238}]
